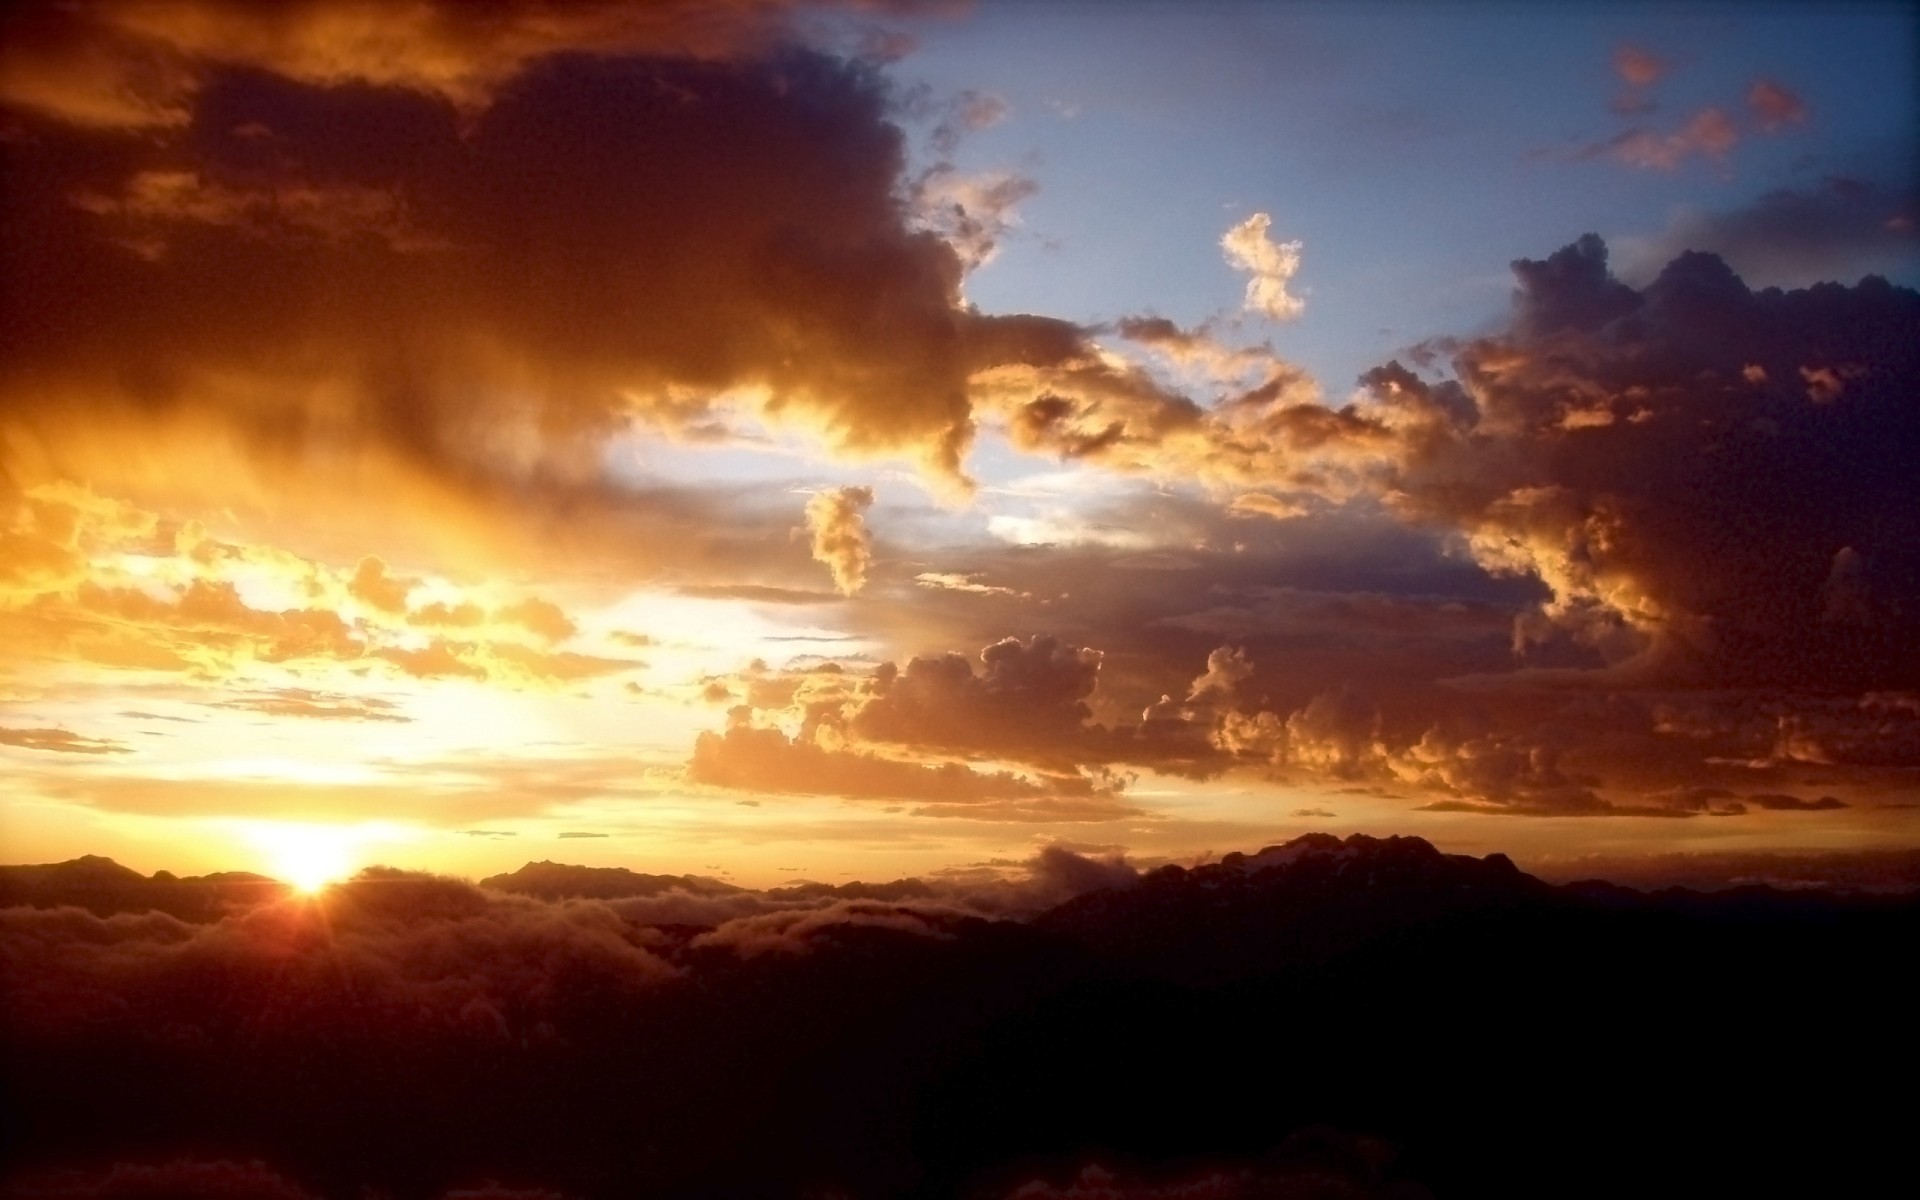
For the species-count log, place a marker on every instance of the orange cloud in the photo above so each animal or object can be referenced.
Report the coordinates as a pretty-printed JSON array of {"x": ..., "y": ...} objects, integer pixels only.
[
  {"x": 763, "y": 759},
  {"x": 1774, "y": 107},
  {"x": 135, "y": 64},
  {"x": 840, "y": 537},
  {"x": 1638, "y": 67},
  {"x": 1709, "y": 133}
]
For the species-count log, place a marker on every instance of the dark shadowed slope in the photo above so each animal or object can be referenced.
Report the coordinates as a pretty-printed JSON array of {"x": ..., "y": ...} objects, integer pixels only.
[{"x": 1369, "y": 1013}]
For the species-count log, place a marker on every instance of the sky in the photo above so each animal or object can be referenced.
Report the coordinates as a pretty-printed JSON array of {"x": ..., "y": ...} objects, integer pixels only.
[{"x": 778, "y": 440}]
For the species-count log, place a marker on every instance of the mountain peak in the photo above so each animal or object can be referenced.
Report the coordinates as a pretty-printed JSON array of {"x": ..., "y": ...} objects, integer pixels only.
[{"x": 549, "y": 880}]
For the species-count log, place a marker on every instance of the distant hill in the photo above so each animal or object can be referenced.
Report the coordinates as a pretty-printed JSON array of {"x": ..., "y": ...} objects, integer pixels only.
[
  {"x": 560, "y": 881},
  {"x": 103, "y": 887},
  {"x": 1443, "y": 1025}
]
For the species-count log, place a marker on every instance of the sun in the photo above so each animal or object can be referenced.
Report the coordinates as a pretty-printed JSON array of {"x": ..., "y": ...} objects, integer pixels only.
[{"x": 306, "y": 857}]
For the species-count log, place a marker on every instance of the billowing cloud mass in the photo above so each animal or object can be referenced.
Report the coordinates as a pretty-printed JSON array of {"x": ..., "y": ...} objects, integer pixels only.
[
  {"x": 1272, "y": 264},
  {"x": 1660, "y": 460},
  {"x": 445, "y": 308},
  {"x": 123, "y": 64},
  {"x": 836, "y": 522},
  {"x": 843, "y": 491}
]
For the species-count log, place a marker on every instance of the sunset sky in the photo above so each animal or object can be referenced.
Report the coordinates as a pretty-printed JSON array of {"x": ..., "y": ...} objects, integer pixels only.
[{"x": 776, "y": 440}]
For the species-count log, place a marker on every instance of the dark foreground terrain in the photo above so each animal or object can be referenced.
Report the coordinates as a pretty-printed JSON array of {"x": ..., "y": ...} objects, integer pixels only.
[{"x": 1367, "y": 1018}]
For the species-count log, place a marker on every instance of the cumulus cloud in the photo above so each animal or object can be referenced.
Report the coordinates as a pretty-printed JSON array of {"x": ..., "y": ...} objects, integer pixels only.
[
  {"x": 1609, "y": 442},
  {"x": 807, "y": 301},
  {"x": 1272, "y": 264},
  {"x": 147, "y": 595},
  {"x": 837, "y": 524}
]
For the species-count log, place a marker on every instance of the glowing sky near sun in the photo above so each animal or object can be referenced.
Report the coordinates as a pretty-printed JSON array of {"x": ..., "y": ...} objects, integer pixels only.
[{"x": 778, "y": 440}]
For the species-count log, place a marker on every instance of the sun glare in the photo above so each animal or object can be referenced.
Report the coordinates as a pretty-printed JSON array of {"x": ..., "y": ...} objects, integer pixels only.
[{"x": 307, "y": 857}]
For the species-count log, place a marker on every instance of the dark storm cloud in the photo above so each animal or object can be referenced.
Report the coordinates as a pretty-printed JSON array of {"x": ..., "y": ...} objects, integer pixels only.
[
  {"x": 600, "y": 244},
  {"x": 1840, "y": 228},
  {"x": 1684, "y": 465},
  {"x": 125, "y": 64}
]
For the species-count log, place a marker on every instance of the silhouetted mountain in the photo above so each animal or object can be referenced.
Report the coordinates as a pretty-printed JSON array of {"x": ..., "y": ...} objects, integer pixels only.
[
  {"x": 896, "y": 889},
  {"x": 1369, "y": 1017},
  {"x": 1310, "y": 900},
  {"x": 559, "y": 881},
  {"x": 103, "y": 887}
]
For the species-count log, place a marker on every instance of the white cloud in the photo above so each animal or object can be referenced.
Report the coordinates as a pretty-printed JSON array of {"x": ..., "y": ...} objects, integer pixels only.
[{"x": 1273, "y": 265}]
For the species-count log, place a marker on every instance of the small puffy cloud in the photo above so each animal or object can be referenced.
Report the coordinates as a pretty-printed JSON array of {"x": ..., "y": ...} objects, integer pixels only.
[
  {"x": 1272, "y": 264},
  {"x": 1227, "y": 669},
  {"x": 1637, "y": 67},
  {"x": 836, "y": 523},
  {"x": 373, "y": 586},
  {"x": 971, "y": 211},
  {"x": 1774, "y": 107}
]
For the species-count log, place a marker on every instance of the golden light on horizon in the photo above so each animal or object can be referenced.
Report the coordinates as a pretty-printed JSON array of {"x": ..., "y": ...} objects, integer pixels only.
[{"x": 308, "y": 856}]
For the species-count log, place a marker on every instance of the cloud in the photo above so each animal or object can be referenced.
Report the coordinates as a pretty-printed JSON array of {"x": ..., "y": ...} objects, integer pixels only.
[
  {"x": 765, "y": 760},
  {"x": 1272, "y": 264},
  {"x": 1638, "y": 67},
  {"x": 1027, "y": 702},
  {"x": 62, "y": 741},
  {"x": 755, "y": 593},
  {"x": 304, "y": 702},
  {"x": 1884, "y": 871},
  {"x": 1709, "y": 133},
  {"x": 1774, "y": 107},
  {"x": 452, "y": 958},
  {"x": 1838, "y": 228},
  {"x": 164, "y": 596},
  {"x": 973, "y": 212},
  {"x": 398, "y": 991},
  {"x": 1609, "y": 442},
  {"x": 836, "y": 523},
  {"x": 748, "y": 208},
  {"x": 372, "y": 585},
  {"x": 1780, "y": 802},
  {"x": 127, "y": 65}
]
